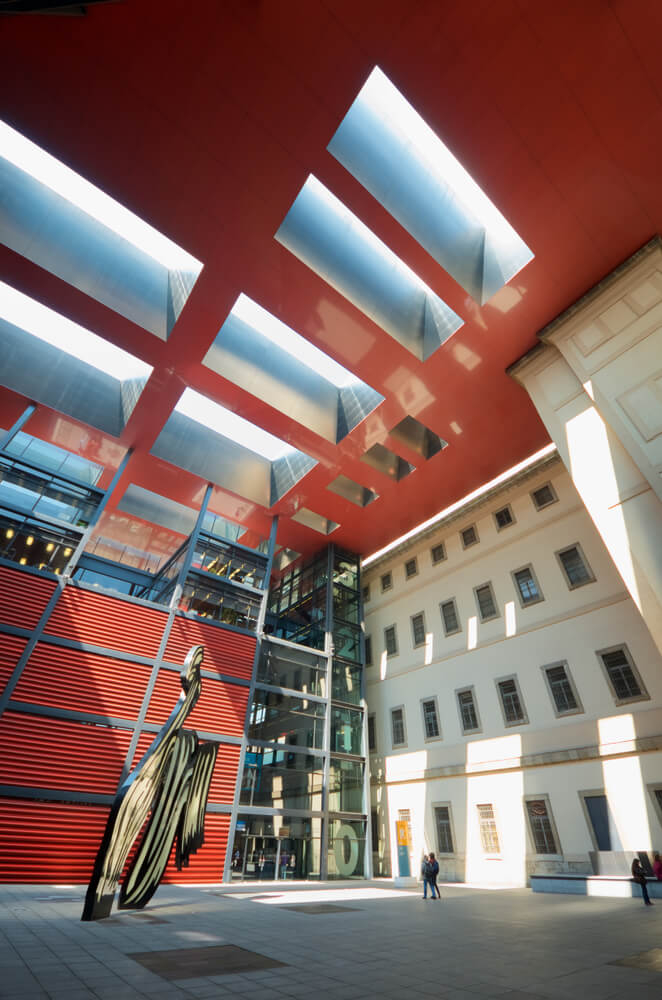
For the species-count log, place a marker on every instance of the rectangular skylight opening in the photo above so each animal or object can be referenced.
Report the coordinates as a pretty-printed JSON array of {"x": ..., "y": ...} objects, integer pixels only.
[
  {"x": 315, "y": 521},
  {"x": 219, "y": 446},
  {"x": 419, "y": 438},
  {"x": 336, "y": 245},
  {"x": 258, "y": 352},
  {"x": 346, "y": 488},
  {"x": 387, "y": 462},
  {"x": 65, "y": 224},
  {"x": 47, "y": 357},
  {"x": 399, "y": 159}
]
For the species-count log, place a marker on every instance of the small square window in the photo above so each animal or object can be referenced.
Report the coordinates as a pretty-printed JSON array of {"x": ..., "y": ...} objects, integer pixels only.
[
  {"x": 442, "y": 822},
  {"x": 489, "y": 836},
  {"x": 487, "y": 608},
  {"x": 418, "y": 629},
  {"x": 398, "y": 734},
  {"x": 411, "y": 569},
  {"x": 544, "y": 496},
  {"x": 511, "y": 702},
  {"x": 469, "y": 536},
  {"x": 387, "y": 581},
  {"x": 575, "y": 568},
  {"x": 527, "y": 587},
  {"x": 366, "y": 593},
  {"x": 372, "y": 737},
  {"x": 622, "y": 674},
  {"x": 368, "y": 651},
  {"x": 541, "y": 826},
  {"x": 565, "y": 697},
  {"x": 504, "y": 517},
  {"x": 449, "y": 616},
  {"x": 391, "y": 640},
  {"x": 438, "y": 553},
  {"x": 466, "y": 703},
  {"x": 431, "y": 727}
]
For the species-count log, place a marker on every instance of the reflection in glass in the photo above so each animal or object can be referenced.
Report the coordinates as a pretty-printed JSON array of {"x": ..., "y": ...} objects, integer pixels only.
[
  {"x": 347, "y": 641},
  {"x": 346, "y": 786},
  {"x": 285, "y": 667},
  {"x": 346, "y": 681},
  {"x": 346, "y": 857},
  {"x": 282, "y": 779},
  {"x": 346, "y": 730},
  {"x": 228, "y": 561},
  {"x": 267, "y": 848},
  {"x": 282, "y": 718}
]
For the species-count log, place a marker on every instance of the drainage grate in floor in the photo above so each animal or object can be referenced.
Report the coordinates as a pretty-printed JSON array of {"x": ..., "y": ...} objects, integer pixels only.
[
  {"x": 317, "y": 908},
  {"x": 190, "y": 963},
  {"x": 651, "y": 960}
]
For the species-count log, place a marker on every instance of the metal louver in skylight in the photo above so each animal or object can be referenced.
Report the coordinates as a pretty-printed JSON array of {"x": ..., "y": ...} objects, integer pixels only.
[
  {"x": 48, "y": 358},
  {"x": 388, "y": 147},
  {"x": 333, "y": 242},
  {"x": 58, "y": 220},
  {"x": 265, "y": 357},
  {"x": 210, "y": 441}
]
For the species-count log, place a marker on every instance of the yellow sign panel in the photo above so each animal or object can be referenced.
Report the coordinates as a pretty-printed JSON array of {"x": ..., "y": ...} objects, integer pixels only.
[{"x": 402, "y": 832}]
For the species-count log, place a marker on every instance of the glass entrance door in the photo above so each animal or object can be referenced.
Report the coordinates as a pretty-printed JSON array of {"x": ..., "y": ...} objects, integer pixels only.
[{"x": 255, "y": 858}]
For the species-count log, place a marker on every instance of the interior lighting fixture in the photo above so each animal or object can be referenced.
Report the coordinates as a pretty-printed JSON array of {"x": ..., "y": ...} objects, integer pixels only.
[
  {"x": 50, "y": 547},
  {"x": 9, "y": 533},
  {"x": 29, "y": 540},
  {"x": 67, "y": 552},
  {"x": 22, "y": 561},
  {"x": 402, "y": 162}
]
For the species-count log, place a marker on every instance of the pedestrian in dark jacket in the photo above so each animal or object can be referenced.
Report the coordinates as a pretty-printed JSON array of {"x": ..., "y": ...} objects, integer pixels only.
[
  {"x": 639, "y": 876},
  {"x": 434, "y": 871},
  {"x": 426, "y": 875}
]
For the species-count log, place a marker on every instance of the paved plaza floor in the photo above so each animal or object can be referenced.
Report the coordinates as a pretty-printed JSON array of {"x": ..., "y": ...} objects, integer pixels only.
[{"x": 342, "y": 941}]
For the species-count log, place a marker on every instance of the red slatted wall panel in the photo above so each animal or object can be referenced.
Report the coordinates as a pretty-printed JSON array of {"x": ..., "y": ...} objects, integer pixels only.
[
  {"x": 23, "y": 597},
  {"x": 107, "y": 621},
  {"x": 87, "y": 682},
  {"x": 207, "y": 864},
  {"x": 224, "y": 778},
  {"x": 57, "y": 753},
  {"x": 225, "y": 652},
  {"x": 49, "y": 841},
  {"x": 10, "y": 651},
  {"x": 220, "y": 709}
]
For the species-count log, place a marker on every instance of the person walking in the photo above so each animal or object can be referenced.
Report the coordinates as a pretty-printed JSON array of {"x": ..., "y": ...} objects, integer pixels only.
[
  {"x": 434, "y": 871},
  {"x": 426, "y": 875},
  {"x": 639, "y": 876}
]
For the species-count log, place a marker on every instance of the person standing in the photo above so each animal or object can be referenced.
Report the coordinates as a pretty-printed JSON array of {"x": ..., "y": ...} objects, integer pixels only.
[
  {"x": 657, "y": 867},
  {"x": 434, "y": 871},
  {"x": 639, "y": 876},
  {"x": 426, "y": 876}
]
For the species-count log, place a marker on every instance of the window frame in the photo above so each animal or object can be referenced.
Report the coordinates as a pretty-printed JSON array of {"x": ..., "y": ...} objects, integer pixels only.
[
  {"x": 399, "y": 746},
  {"x": 409, "y": 562},
  {"x": 458, "y": 692},
  {"x": 513, "y": 520},
  {"x": 419, "y": 614},
  {"x": 585, "y": 793},
  {"x": 372, "y": 717},
  {"x": 549, "y": 502},
  {"x": 367, "y": 646},
  {"x": 486, "y": 853},
  {"x": 449, "y": 806},
  {"x": 443, "y": 556},
  {"x": 579, "y": 710},
  {"x": 544, "y": 797},
  {"x": 395, "y": 637},
  {"x": 386, "y": 576},
  {"x": 453, "y": 601},
  {"x": 365, "y": 593},
  {"x": 652, "y": 788},
  {"x": 520, "y": 722},
  {"x": 497, "y": 613},
  {"x": 535, "y": 600},
  {"x": 622, "y": 646},
  {"x": 423, "y": 702},
  {"x": 476, "y": 539},
  {"x": 587, "y": 566}
]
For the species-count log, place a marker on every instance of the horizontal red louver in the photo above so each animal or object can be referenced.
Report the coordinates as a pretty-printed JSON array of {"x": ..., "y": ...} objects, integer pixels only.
[
  {"x": 11, "y": 648},
  {"x": 207, "y": 864},
  {"x": 87, "y": 682},
  {"x": 49, "y": 841},
  {"x": 23, "y": 597},
  {"x": 106, "y": 621},
  {"x": 226, "y": 652},
  {"x": 224, "y": 778},
  {"x": 56, "y": 753},
  {"x": 221, "y": 707}
]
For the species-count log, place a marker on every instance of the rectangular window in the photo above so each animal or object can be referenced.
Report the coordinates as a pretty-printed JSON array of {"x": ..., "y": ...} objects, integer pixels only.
[
  {"x": 368, "y": 651},
  {"x": 430, "y": 719},
  {"x": 622, "y": 675},
  {"x": 468, "y": 711},
  {"x": 528, "y": 590},
  {"x": 576, "y": 570},
  {"x": 374, "y": 829},
  {"x": 418, "y": 629},
  {"x": 504, "y": 517},
  {"x": 386, "y": 581},
  {"x": 561, "y": 689},
  {"x": 411, "y": 568},
  {"x": 489, "y": 837},
  {"x": 513, "y": 709},
  {"x": 487, "y": 608},
  {"x": 442, "y": 822},
  {"x": 543, "y": 496},
  {"x": 372, "y": 735},
  {"x": 540, "y": 823},
  {"x": 398, "y": 735},
  {"x": 438, "y": 553},
  {"x": 449, "y": 616},
  {"x": 390, "y": 640},
  {"x": 366, "y": 593},
  {"x": 469, "y": 536}
]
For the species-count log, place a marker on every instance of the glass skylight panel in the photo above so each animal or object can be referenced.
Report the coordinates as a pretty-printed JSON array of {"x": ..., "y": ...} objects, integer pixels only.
[
  {"x": 390, "y": 149},
  {"x": 217, "y": 418},
  {"x": 333, "y": 242}
]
